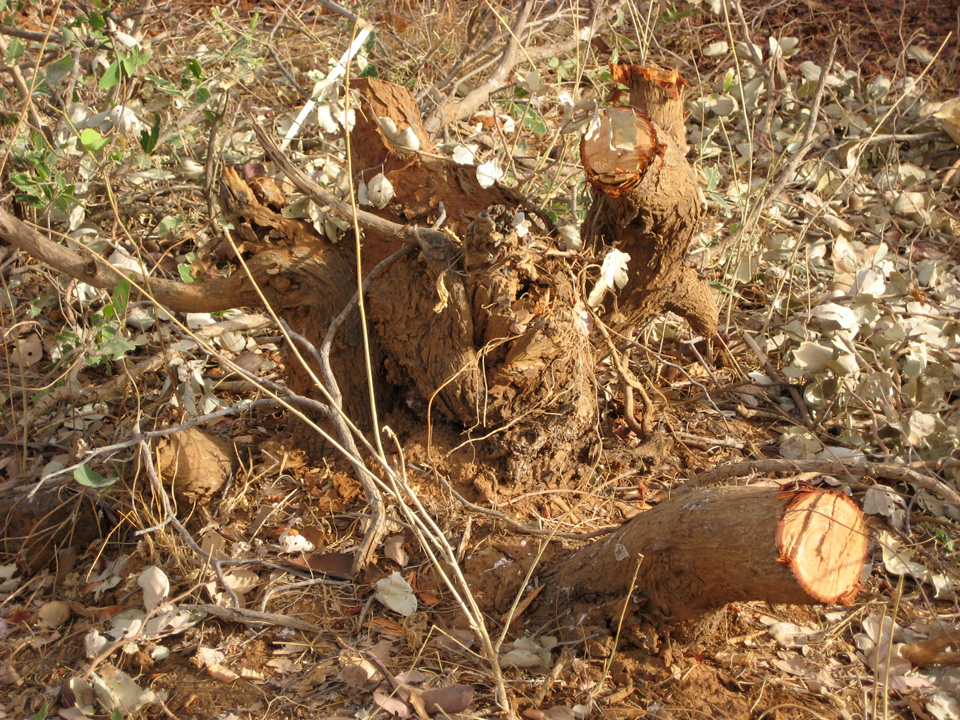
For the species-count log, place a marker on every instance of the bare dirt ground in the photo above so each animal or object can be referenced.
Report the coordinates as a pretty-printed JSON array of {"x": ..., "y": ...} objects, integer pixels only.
[{"x": 235, "y": 599}]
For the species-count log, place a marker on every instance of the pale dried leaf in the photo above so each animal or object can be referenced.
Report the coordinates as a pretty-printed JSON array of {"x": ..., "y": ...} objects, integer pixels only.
[
  {"x": 943, "y": 706},
  {"x": 447, "y": 700},
  {"x": 393, "y": 549},
  {"x": 117, "y": 691},
  {"x": 523, "y": 658},
  {"x": 54, "y": 614},
  {"x": 155, "y": 585},
  {"x": 387, "y": 700},
  {"x": 28, "y": 351},
  {"x": 395, "y": 593},
  {"x": 488, "y": 173}
]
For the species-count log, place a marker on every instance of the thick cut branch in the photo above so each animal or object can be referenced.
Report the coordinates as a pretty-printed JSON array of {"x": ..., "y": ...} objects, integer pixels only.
[{"x": 700, "y": 551}]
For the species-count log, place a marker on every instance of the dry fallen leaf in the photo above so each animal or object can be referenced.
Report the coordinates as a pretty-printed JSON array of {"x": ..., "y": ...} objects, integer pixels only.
[
  {"x": 448, "y": 700},
  {"x": 54, "y": 614},
  {"x": 393, "y": 549},
  {"x": 395, "y": 593},
  {"x": 336, "y": 564},
  {"x": 949, "y": 116},
  {"x": 155, "y": 585},
  {"x": 28, "y": 351}
]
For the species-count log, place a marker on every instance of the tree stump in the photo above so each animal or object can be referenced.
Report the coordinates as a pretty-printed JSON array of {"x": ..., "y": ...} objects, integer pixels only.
[
  {"x": 308, "y": 281},
  {"x": 492, "y": 334},
  {"x": 647, "y": 199}
]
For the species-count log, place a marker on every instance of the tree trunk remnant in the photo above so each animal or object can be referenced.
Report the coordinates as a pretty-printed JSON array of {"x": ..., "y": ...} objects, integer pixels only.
[
  {"x": 499, "y": 336},
  {"x": 701, "y": 550},
  {"x": 489, "y": 328},
  {"x": 308, "y": 281},
  {"x": 647, "y": 199}
]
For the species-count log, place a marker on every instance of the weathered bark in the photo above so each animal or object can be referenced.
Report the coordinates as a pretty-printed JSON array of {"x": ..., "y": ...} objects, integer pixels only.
[
  {"x": 495, "y": 340},
  {"x": 702, "y": 550},
  {"x": 647, "y": 199},
  {"x": 307, "y": 280},
  {"x": 497, "y": 336},
  {"x": 421, "y": 180},
  {"x": 219, "y": 294}
]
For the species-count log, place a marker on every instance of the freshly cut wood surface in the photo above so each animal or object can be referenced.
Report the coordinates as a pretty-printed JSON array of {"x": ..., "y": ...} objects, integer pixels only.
[{"x": 823, "y": 541}]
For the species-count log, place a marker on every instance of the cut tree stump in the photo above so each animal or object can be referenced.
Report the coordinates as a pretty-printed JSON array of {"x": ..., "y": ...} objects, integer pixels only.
[
  {"x": 489, "y": 329},
  {"x": 647, "y": 199},
  {"x": 704, "y": 549}
]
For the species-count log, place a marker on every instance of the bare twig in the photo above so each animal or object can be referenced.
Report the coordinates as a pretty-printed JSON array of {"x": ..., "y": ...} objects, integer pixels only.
[
  {"x": 519, "y": 527},
  {"x": 775, "y": 376},
  {"x": 25, "y": 92},
  {"x": 376, "y": 529},
  {"x": 246, "y": 616},
  {"x": 752, "y": 216},
  {"x": 177, "y": 296},
  {"x": 449, "y": 112}
]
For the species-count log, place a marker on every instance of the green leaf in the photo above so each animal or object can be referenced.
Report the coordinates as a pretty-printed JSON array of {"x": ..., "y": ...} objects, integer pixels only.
[
  {"x": 41, "y": 713},
  {"x": 59, "y": 70},
  {"x": 121, "y": 297},
  {"x": 111, "y": 77},
  {"x": 149, "y": 138},
  {"x": 369, "y": 71},
  {"x": 14, "y": 51},
  {"x": 92, "y": 140},
  {"x": 534, "y": 121},
  {"x": 91, "y": 478},
  {"x": 118, "y": 348},
  {"x": 169, "y": 224},
  {"x": 96, "y": 21},
  {"x": 193, "y": 67},
  {"x": 164, "y": 85},
  {"x": 185, "y": 274},
  {"x": 129, "y": 65}
]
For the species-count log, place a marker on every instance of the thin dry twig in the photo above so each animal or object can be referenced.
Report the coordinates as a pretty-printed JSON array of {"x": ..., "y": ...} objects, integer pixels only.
[
  {"x": 519, "y": 527},
  {"x": 449, "y": 112},
  {"x": 776, "y": 377},
  {"x": 753, "y": 215},
  {"x": 246, "y": 616},
  {"x": 884, "y": 470}
]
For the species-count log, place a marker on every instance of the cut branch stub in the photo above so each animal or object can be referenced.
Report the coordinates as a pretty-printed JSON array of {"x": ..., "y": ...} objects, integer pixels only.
[
  {"x": 658, "y": 92},
  {"x": 821, "y": 539},
  {"x": 617, "y": 148},
  {"x": 647, "y": 201}
]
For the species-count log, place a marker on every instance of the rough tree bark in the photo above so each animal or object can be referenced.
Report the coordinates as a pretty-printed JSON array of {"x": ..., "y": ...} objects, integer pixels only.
[
  {"x": 647, "y": 199},
  {"x": 697, "y": 552}
]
